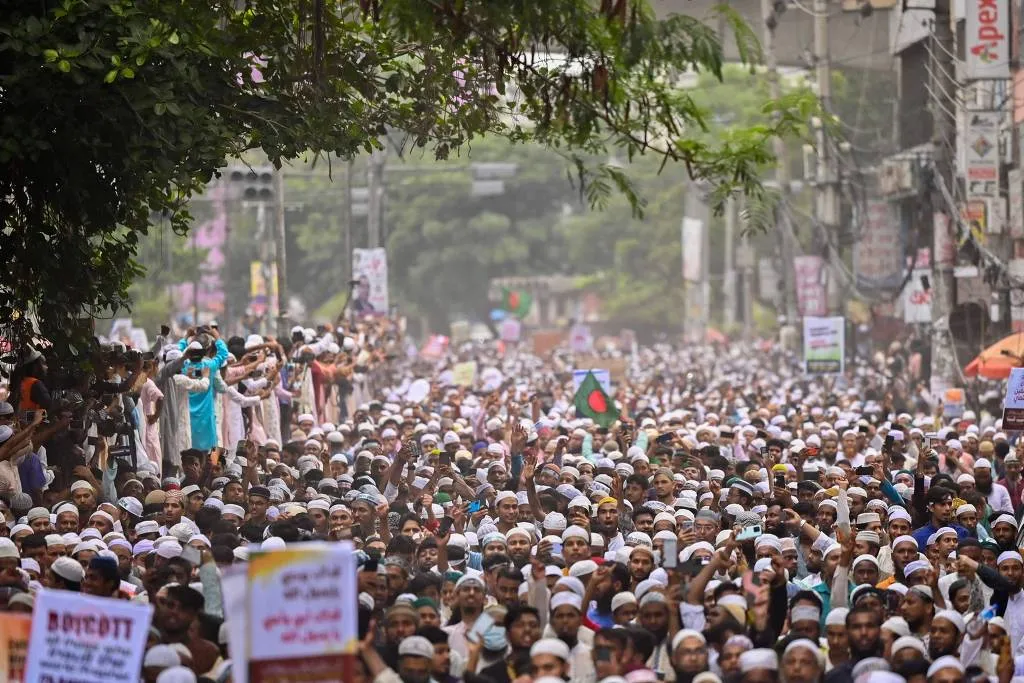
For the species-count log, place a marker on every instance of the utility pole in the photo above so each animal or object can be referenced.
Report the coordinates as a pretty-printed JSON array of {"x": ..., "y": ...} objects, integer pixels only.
[
  {"x": 347, "y": 217},
  {"x": 782, "y": 224},
  {"x": 826, "y": 206},
  {"x": 280, "y": 255},
  {"x": 943, "y": 103},
  {"x": 729, "y": 280},
  {"x": 375, "y": 186}
]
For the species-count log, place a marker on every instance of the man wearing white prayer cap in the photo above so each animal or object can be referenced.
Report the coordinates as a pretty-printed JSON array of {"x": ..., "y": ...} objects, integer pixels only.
[
  {"x": 760, "y": 665},
  {"x": 946, "y": 669},
  {"x": 802, "y": 661},
  {"x": 946, "y": 633},
  {"x": 689, "y": 654},
  {"x": 550, "y": 657}
]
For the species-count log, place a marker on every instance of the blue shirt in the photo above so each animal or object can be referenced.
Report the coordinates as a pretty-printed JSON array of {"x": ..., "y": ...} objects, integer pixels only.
[
  {"x": 602, "y": 620},
  {"x": 201, "y": 404},
  {"x": 921, "y": 535},
  {"x": 30, "y": 471}
]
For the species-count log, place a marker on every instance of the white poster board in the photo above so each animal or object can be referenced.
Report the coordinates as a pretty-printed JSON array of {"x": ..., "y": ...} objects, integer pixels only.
[
  {"x": 86, "y": 639},
  {"x": 824, "y": 345}
]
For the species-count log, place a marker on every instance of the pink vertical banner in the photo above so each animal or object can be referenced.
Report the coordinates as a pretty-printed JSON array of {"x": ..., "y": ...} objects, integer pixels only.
[{"x": 810, "y": 288}]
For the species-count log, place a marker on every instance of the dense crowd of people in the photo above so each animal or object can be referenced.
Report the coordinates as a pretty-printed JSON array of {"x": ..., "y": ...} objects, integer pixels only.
[{"x": 737, "y": 519}]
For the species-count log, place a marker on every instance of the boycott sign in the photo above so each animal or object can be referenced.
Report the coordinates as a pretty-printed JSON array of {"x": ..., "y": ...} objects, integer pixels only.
[
  {"x": 86, "y": 639},
  {"x": 1013, "y": 403}
]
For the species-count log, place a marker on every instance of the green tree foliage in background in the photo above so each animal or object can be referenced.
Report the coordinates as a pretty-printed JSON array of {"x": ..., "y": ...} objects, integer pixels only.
[{"x": 114, "y": 110}]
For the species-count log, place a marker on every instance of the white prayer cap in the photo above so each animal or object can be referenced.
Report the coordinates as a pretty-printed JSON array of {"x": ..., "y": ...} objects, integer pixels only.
[
  {"x": 551, "y": 646},
  {"x": 952, "y": 617},
  {"x": 911, "y": 642},
  {"x": 688, "y": 633},
  {"x": 897, "y": 625},
  {"x": 837, "y": 617},
  {"x": 945, "y": 662},
  {"x": 759, "y": 658},
  {"x": 566, "y": 598}
]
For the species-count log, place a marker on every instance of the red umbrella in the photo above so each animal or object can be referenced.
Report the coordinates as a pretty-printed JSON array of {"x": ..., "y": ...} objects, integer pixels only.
[{"x": 996, "y": 361}]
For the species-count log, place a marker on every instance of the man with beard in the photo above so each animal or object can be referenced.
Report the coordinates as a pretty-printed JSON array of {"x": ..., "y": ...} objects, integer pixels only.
[
  {"x": 689, "y": 655},
  {"x": 470, "y": 593},
  {"x": 998, "y": 496},
  {"x": 1007, "y": 595},
  {"x": 415, "y": 660},
  {"x": 607, "y": 581},
  {"x": 864, "y": 636},
  {"x": 655, "y": 616},
  {"x": 946, "y": 634},
  {"x": 641, "y": 563},
  {"x": 400, "y": 622},
  {"x": 802, "y": 662},
  {"x": 518, "y": 546},
  {"x": 177, "y": 607},
  {"x": 566, "y": 618},
  {"x": 1004, "y": 532},
  {"x": 1012, "y": 482}
]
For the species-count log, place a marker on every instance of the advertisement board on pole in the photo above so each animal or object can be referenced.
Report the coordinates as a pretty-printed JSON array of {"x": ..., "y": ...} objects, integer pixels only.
[
  {"x": 370, "y": 271},
  {"x": 811, "y": 295},
  {"x": 987, "y": 39}
]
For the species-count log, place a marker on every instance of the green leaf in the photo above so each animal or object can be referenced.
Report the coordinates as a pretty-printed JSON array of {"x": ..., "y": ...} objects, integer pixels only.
[
  {"x": 173, "y": 38},
  {"x": 64, "y": 66},
  {"x": 111, "y": 76},
  {"x": 51, "y": 55},
  {"x": 128, "y": 72},
  {"x": 159, "y": 108}
]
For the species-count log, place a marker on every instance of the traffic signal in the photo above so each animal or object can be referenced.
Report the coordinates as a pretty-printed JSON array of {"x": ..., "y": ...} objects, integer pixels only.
[{"x": 254, "y": 183}]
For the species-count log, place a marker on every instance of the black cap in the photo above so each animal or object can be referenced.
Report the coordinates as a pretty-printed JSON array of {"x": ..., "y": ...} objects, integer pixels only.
[{"x": 260, "y": 491}]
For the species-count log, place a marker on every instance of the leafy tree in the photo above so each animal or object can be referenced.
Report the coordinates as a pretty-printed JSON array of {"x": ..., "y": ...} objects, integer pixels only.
[{"x": 113, "y": 110}]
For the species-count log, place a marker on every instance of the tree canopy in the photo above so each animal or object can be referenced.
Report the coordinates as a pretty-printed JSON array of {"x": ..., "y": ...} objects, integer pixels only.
[{"x": 117, "y": 110}]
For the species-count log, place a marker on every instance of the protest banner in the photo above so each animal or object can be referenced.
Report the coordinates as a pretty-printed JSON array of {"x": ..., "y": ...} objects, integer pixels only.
[
  {"x": 615, "y": 367},
  {"x": 86, "y": 639},
  {"x": 581, "y": 340},
  {"x": 14, "y": 632},
  {"x": 464, "y": 374},
  {"x": 302, "y": 611},
  {"x": 1013, "y": 403},
  {"x": 824, "y": 345}
]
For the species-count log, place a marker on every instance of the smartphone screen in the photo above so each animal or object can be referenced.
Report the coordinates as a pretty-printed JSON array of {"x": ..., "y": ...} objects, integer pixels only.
[
  {"x": 670, "y": 553},
  {"x": 446, "y": 525},
  {"x": 475, "y": 506},
  {"x": 445, "y": 459}
]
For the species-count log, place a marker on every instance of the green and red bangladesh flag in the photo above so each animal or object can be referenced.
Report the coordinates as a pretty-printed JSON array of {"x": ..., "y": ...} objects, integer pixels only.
[
  {"x": 516, "y": 302},
  {"x": 591, "y": 401}
]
